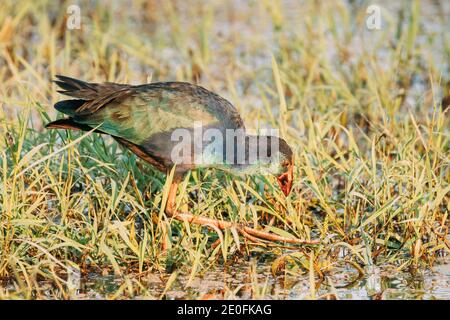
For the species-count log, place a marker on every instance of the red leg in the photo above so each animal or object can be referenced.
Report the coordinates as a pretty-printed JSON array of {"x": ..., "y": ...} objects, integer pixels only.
[{"x": 249, "y": 233}]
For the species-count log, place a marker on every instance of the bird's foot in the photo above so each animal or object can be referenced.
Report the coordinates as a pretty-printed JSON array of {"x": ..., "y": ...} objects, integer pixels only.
[{"x": 248, "y": 233}]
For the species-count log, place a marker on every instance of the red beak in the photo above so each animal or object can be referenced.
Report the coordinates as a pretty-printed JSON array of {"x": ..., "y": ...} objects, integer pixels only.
[{"x": 285, "y": 181}]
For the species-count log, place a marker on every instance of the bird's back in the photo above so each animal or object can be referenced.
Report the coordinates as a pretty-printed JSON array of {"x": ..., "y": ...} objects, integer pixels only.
[{"x": 146, "y": 115}]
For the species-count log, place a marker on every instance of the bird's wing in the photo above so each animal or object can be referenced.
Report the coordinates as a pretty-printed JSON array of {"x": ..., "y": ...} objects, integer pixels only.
[{"x": 136, "y": 113}]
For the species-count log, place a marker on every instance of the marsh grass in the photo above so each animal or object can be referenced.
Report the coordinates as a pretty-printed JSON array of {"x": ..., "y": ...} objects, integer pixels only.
[{"x": 362, "y": 109}]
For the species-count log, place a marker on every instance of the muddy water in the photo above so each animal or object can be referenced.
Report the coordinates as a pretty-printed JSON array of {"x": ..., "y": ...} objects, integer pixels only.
[{"x": 249, "y": 280}]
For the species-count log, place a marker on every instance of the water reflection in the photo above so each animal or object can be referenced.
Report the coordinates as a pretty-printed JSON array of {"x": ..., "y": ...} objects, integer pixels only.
[{"x": 248, "y": 280}]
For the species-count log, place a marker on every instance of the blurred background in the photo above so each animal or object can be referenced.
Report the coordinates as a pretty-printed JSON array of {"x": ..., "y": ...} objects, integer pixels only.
[{"x": 227, "y": 46}]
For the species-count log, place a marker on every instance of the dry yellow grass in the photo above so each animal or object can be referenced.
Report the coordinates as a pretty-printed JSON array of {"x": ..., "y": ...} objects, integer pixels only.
[{"x": 362, "y": 108}]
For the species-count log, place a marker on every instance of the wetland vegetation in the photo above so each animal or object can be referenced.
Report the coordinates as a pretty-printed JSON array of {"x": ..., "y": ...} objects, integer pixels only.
[{"x": 367, "y": 112}]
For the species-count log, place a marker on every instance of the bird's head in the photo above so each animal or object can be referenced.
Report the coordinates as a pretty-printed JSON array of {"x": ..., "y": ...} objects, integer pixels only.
[
  {"x": 286, "y": 178},
  {"x": 280, "y": 162}
]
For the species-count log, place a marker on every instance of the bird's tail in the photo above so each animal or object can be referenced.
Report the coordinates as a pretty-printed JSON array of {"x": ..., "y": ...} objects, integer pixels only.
[
  {"x": 69, "y": 107},
  {"x": 90, "y": 96},
  {"x": 77, "y": 88},
  {"x": 68, "y": 123}
]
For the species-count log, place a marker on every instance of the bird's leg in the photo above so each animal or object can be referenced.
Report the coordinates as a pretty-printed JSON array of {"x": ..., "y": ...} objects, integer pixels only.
[
  {"x": 247, "y": 232},
  {"x": 170, "y": 209},
  {"x": 170, "y": 204}
]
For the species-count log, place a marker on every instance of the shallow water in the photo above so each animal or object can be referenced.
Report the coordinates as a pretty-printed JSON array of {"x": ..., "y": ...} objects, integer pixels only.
[{"x": 250, "y": 280}]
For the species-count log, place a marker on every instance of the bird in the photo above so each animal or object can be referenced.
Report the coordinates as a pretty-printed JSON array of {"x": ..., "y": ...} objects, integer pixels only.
[{"x": 143, "y": 118}]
